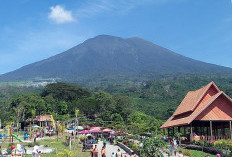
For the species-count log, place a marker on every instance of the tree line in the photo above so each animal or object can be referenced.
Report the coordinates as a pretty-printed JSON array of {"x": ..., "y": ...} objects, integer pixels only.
[{"x": 63, "y": 99}]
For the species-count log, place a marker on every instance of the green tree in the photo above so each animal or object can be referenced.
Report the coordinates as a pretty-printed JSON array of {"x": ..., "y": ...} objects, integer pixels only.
[
  {"x": 62, "y": 107},
  {"x": 151, "y": 147},
  {"x": 65, "y": 91},
  {"x": 105, "y": 104},
  {"x": 122, "y": 105},
  {"x": 87, "y": 106}
]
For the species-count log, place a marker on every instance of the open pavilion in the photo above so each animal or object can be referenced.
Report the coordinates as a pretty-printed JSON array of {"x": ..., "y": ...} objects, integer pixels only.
[{"x": 205, "y": 113}]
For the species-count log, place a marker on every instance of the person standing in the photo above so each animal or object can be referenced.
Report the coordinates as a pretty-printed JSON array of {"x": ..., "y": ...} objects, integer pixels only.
[
  {"x": 91, "y": 151},
  {"x": 118, "y": 154},
  {"x": 95, "y": 151},
  {"x": 104, "y": 142},
  {"x": 132, "y": 154},
  {"x": 174, "y": 146},
  {"x": 171, "y": 146},
  {"x": 103, "y": 151}
]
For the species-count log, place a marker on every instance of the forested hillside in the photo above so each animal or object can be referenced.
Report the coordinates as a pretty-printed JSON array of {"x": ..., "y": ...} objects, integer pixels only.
[
  {"x": 113, "y": 102},
  {"x": 161, "y": 96}
]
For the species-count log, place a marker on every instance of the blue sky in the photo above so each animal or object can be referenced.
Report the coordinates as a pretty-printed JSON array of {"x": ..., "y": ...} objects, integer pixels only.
[{"x": 32, "y": 30}]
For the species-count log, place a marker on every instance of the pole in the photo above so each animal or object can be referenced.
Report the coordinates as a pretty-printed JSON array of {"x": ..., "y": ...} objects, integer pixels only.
[
  {"x": 75, "y": 134},
  {"x": 211, "y": 131},
  {"x": 191, "y": 132},
  {"x": 57, "y": 131},
  {"x": 230, "y": 130},
  {"x": 70, "y": 147}
]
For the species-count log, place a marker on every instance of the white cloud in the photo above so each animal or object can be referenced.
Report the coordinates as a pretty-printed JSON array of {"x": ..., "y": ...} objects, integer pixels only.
[{"x": 60, "y": 16}]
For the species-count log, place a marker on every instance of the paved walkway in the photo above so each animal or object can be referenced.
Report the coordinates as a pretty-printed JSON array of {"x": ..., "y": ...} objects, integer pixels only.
[
  {"x": 166, "y": 155},
  {"x": 110, "y": 148}
]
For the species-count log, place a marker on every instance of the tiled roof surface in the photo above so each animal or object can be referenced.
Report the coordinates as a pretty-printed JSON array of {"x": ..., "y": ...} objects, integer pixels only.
[
  {"x": 191, "y": 108},
  {"x": 43, "y": 118},
  {"x": 191, "y": 100}
]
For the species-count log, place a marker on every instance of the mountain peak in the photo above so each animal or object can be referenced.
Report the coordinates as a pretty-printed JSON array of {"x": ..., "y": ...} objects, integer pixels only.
[{"x": 107, "y": 56}]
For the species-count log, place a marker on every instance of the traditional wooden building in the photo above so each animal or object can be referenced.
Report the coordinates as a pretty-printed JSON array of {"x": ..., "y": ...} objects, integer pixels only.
[
  {"x": 44, "y": 120},
  {"x": 206, "y": 112}
]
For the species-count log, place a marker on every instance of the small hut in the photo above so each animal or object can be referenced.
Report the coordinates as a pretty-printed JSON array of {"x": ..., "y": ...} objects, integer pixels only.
[
  {"x": 206, "y": 113},
  {"x": 44, "y": 120}
]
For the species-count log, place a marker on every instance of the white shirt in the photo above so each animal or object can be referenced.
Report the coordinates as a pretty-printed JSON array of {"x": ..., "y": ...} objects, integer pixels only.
[{"x": 35, "y": 149}]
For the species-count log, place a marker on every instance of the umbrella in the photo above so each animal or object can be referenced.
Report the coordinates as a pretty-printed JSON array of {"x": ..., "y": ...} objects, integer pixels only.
[
  {"x": 108, "y": 130},
  {"x": 84, "y": 132},
  {"x": 95, "y": 131},
  {"x": 96, "y": 128},
  {"x": 79, "y": 128}
]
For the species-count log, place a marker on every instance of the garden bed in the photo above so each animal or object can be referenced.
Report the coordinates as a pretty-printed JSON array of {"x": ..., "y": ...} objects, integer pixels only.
[{"x": 204, "y": 149}]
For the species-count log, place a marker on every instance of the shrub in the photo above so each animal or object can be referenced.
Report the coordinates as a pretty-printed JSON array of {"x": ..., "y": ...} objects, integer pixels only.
[
  {"x": 132, "y": 137},
  {"x": 151, "y": 147},
  {"x": 135, "y": 146},
  {"x": 118, "y": 139},
  {"x": 130, "y": 144},
  {"x": 187, "y": 152}
]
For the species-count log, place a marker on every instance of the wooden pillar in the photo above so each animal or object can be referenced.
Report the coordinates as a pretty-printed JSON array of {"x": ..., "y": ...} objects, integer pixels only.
[
  {"x": 211, "y": 131},
  {"x": 203, "y": 130},
  {"x": 230, "y": 130},
  {"x": 191, "y": 132}
]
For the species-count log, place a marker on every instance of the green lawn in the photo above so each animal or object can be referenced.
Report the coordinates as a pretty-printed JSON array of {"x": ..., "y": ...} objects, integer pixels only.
[
  {"x": 195, "y": 153},
  {"x": 59, "y": 146}
]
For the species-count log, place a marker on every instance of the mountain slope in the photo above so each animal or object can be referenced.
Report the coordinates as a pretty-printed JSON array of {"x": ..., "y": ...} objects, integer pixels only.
[{"x": 112, "y": 56}]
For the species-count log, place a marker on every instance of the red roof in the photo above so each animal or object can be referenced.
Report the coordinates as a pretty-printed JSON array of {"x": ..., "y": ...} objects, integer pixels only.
[
  {"x": 196, "y": 103},
  {"x": 193, "y": 98},
  {"x": 42, "y": 118}
]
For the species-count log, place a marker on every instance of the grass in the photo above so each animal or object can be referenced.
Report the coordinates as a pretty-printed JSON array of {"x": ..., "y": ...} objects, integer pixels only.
[
  {"x": 59, "y": 146},
  {"x": 195, "y": 153}
]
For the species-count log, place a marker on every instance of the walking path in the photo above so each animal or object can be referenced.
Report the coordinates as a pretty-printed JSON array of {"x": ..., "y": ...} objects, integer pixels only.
[
  {"x": 110, "y": 148},
  {"x": 166, "y": 155}
]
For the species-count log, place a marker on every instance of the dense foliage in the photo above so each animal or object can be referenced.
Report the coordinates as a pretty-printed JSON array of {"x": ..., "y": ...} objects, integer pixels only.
[
  {"x": 160, "y": 97},
  {"x": 141, "y": 106},
  {"x": 151, "y": 147}
]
